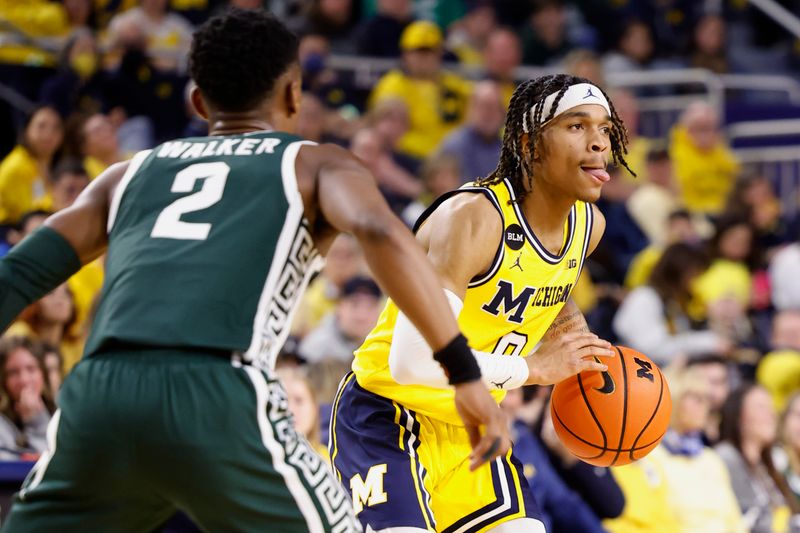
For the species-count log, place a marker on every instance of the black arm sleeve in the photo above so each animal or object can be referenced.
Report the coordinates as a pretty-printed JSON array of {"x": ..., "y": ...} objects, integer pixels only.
[{"x": 40, "y": 263}]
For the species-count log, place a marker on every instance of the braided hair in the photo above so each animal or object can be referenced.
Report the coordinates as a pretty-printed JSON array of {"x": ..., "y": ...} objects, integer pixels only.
[{"x": 513, "y": 165}]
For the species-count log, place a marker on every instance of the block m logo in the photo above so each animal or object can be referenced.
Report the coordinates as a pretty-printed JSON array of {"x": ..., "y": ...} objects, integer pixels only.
[
  {"x": 512, "y": 306},
  {"x": 370, "y": 491}
]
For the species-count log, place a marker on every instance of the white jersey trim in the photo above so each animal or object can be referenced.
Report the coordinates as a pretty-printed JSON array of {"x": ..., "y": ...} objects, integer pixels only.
[{"x": 116, "y": 200}]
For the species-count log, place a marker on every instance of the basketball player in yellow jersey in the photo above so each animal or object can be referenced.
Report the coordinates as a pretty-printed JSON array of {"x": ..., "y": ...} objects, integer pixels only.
[{"x": 508, "y": 249}]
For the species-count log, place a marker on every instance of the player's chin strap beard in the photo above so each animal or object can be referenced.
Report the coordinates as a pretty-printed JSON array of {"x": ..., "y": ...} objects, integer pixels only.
[{"x": 575, "y": 95}]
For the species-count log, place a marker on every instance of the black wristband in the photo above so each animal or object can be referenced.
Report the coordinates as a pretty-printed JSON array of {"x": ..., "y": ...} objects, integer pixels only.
[{"x": 458, "y": 362}]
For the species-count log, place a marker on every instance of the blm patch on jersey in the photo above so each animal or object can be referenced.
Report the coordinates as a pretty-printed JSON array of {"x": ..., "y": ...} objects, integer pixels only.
[{"x": 514, "y": 237}]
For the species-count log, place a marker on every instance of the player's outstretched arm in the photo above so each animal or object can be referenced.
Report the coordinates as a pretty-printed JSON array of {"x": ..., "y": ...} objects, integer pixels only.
[
  {"x": 51, "y": 254},
  {"x": 349, "y": 201}
]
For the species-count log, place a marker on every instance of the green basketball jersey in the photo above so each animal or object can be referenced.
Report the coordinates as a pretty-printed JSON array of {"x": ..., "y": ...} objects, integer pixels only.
[{"x": 208, "y": 247}]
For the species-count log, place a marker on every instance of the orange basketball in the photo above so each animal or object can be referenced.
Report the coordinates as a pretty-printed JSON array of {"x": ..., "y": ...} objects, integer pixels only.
[{"x": 616, "y": 417}]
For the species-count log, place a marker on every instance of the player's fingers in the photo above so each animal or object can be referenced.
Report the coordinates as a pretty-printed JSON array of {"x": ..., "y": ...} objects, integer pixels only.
[
  {"x": 474, "y": 435},
  {"x": 591, "y": 365},
  {"x": 594, "y": 351},
  {"x": 486, "y": 450}
]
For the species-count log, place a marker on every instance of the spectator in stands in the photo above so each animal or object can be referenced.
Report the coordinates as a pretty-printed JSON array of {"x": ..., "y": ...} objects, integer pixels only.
[
  {"x": 502, "y": 55},
  {"x": 399, "y": 186},
  {"x": 477, "y": 143},
  {"x": 325, "y": 376},
  {"x": 654, "y": 318},
  {"x": 679, "y": 228},
  {"x": 647, "y": 499},
  {"x": 654, "y": 200},
  {"x": 25, "y": 172},
  {"x": 467, "y": 37},
  {"x": 311, "y": 118},
  {"x": 787, "y": 456},
  {"x": 80, "y": 14},
  {"x": 725, "y": 288},
  {"x": 25, "y": 60},
  {"x": 436, "y": 99},
  {"x": 639, "y": 146},
  {"x": 333, "y": 88},
  {"x": 594, "y": 485},
  {"x": 50, "y": 320},
  {"x": 585, "y": 64},
  {"x": 24, "y": 226},
  {"x": 79, "y": 84},
  {"x": 717, "y": 372},
  {"x": 303, "y": 406},
  {"x": 440, "y": 174},
  {"x": 143, "y": 101},
  {"x": 634, "y": 49},
  {"x": 753, "y": 198},
  {"x": 342, "y": 332},
  {"x": 700, "y": 492},
  {"x": 785, "y": 283},
  {"x": 390, "y": 119},
  {"x": 94, "y": 139},
  {"x": 705, "y": 167},
  {"x": 379, "y": 35},
  {"x": 779, "y": 370},
  {"x": 54, "y": 368},
  {"x": 749, "y": 429},
  {"x": 708, "y": 48},
  {"x": 69, "y": 179},
  {"x": 336, "y": 20},
  {"x": 343, "y": 261},
  {"x": 544, "y": 38},
  {"x": 168, "y": 35},
  {"x": 562, "y": 509},
  {"x": 26, "y": 403}
]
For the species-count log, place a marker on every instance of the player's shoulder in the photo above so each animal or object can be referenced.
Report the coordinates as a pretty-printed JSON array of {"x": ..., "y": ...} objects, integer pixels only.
[{"x": 469, "y": 215}]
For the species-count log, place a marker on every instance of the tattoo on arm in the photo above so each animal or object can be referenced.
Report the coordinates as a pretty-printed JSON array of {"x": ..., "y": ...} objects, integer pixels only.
[{"x": 573, "y": 321}]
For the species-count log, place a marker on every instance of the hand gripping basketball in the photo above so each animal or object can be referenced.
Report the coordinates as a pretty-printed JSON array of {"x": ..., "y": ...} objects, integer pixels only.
[{"x": 613, "y": 417}]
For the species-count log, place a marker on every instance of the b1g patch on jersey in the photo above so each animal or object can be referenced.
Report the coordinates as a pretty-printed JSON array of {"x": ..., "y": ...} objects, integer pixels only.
[{"x": 515, "y": 239}]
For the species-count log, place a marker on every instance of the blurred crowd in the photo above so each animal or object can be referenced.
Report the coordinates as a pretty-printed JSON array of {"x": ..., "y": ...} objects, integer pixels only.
[{"x": 698, "y": 267}]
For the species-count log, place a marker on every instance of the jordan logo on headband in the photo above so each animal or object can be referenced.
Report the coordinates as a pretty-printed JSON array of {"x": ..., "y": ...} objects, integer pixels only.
[{"x": 589, "y": 93}]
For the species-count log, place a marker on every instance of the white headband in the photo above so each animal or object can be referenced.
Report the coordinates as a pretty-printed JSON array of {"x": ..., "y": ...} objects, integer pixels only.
[{"x": 575, "y": 95}]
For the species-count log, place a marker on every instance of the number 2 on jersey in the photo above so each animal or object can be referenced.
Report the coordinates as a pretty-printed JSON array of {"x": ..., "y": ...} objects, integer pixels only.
[{"x": 169, "y": 224}]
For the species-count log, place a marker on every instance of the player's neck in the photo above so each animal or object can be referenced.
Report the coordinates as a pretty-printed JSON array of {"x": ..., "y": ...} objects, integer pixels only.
[
  {"x": 228, "y": 123},
  {"x": 546, "y": 211}
]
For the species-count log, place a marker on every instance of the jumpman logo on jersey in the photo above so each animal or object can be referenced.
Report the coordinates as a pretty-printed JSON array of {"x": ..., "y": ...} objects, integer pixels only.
[
  {"x": 501, "y": 384},
  {"x": 589, "y": 94},
  {"x": 516, "y": 263}
]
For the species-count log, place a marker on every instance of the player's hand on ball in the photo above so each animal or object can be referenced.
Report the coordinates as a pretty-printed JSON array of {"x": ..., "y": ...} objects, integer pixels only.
[
  {"x": 479, "y": 411},
  {"x": 565, "y": 356}
]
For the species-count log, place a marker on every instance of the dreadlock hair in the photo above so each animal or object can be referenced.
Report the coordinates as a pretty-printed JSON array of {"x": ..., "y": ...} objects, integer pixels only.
[{"x": 513, "y": 165}]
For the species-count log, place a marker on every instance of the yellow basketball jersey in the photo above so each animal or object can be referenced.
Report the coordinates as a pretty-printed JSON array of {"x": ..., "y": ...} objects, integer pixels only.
[{"x": 506, "y": 310}]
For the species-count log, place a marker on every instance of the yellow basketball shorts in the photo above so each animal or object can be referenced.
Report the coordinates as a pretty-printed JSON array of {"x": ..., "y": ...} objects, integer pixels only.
[{"x": 404, "y": 469}]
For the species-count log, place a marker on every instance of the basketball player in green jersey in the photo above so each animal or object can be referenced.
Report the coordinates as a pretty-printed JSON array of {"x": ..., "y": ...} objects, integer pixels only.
[{"x": 210, "y": 241}]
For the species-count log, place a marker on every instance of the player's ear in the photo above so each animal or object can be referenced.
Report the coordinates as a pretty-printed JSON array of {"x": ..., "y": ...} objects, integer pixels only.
[
  {"x": 198, "y": 103},
  {"x": 525, "y": 149},
  {"x": 294, "y": 94}
]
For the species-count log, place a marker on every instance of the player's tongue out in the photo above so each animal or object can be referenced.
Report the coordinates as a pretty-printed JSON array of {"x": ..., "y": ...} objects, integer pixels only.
[{"x": 599, "y": 173}]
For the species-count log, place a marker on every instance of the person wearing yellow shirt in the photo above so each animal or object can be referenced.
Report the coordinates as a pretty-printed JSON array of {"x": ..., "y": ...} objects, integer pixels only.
[
  {"x": 679, "y": 228},
  {"x": 25, "y": 21},
  {"x": 25, "y": 172},
  {"x": 96, "y": 139},
  {"x": 705, "y": 166},
  {"x": 436, "y": 99},
  {"x": 779, "y": 370}
]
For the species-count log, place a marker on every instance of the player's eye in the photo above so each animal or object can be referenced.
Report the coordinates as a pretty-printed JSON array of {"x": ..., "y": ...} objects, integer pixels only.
[
  {"x": 576, "y": 126},
  {"x": 606, "y": 130}
]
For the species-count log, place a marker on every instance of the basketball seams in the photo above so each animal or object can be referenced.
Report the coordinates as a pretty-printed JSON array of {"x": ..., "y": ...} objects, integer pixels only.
[
  {"x": 591, "y": 412},
  {"x": 624, "y": 404},
  {"x": 652, "y": 416},
  {"x": 602, "y": 448}
]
